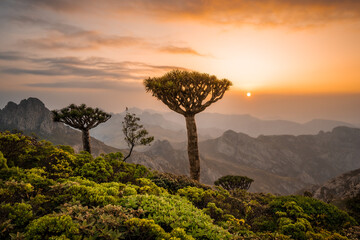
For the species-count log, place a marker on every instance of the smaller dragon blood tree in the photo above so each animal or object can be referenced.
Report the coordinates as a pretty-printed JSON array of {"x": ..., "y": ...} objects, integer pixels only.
[{"x": 83, "y": 118}]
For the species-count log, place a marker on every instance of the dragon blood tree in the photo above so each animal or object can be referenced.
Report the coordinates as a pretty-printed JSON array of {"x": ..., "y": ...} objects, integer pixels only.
[
  {"x": 83, "y": 118},
  {"x": 230, "y": 182},
  {"x": 188, "y": 93}
]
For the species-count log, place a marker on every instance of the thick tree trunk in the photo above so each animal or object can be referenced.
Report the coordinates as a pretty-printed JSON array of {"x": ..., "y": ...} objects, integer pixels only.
[
  {"x": 86, "y": 140},
  {"x": 193, "y": 149}
]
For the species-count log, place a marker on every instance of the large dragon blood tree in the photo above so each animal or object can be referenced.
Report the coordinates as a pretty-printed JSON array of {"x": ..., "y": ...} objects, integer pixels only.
[
  {"x": 188, "y": 93},
  {"x": 83, "y": 118}
]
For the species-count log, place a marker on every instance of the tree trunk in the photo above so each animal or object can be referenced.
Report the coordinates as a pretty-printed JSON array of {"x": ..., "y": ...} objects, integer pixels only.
[
  {"x": 193, "y": 149},
  {"x": 86, "y": 140},
  {"x": 131, "y": 149}
]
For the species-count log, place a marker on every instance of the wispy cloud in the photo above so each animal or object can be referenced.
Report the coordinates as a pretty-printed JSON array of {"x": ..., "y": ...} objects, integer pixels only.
[
  {"x": 60, "y": 36},
  {"x": 179, "y": 50},
  {"x": 65, "y": 36},
  {"x": 86, "y": 72},
  {"x": 94, "y": 84}
]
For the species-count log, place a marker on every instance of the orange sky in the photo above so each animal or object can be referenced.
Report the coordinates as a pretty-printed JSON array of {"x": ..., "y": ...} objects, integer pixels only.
[{"x": 307, "y": 50}]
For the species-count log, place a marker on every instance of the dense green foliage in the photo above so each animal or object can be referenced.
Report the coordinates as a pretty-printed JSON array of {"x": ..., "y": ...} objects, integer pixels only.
[{"x": 50, "y": 192}]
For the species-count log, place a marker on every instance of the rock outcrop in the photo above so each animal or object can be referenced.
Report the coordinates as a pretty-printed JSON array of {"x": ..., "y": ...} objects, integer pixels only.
[
  {"x": 32, "y": 117},
  {"x": 340, "y": 188}
]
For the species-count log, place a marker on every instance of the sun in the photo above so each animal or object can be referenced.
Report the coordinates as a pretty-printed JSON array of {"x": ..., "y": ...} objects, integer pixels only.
[{"x": 248, "y": 94}]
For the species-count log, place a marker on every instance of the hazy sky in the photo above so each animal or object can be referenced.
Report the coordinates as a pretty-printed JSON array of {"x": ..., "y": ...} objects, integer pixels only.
[{"x": 300, "y": 59}]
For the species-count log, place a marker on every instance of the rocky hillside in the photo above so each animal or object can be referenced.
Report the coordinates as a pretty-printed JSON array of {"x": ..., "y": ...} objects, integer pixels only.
[
  {"x": 31, "y": 116},
  {"x": 340, "y": 188},
  {"x": 280, "y": 164}
]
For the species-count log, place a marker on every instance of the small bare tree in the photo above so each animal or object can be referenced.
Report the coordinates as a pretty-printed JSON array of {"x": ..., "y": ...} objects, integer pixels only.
[
  {"x": 188, "y": 93},
  {"x": 83, "y": 118},
  {"x": 135, "y": 133}
]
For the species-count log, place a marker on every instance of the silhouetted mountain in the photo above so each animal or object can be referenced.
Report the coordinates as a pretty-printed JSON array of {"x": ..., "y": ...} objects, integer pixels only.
[
  {"x": 31, "y": 116},
  {"x": 279, "y": 164}
]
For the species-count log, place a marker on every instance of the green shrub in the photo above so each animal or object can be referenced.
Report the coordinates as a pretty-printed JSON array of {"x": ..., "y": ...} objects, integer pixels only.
[
  {"x": 52, "y": 227},
  {"x": 220, "y": 197},
  {"x": 319, "y": 214},
  {"x": 13, "y": 218},
  {"x": 37, "y": 177},
  {"x": 87, "y": 192},
  {"x": 173, "y": 182},
  {"x": 18, "y": 149},
  {"x": 129, "y": 172},
  {"x": 106, "y": 222},
  {"x": 297, "y": 230},
  {"x": 230, "y": 182},
  {"x": 3, "y": 161},
  {"x": 19, "y": 213},
  {"x": 98, "y": 170},
  {"x": 14, "y": 191},
  {"x": 60, "y": 164},
  {"x": 148, "y": 187},
  {"x": 172, "y": 212},
  {"x": 145, "y": 229}
]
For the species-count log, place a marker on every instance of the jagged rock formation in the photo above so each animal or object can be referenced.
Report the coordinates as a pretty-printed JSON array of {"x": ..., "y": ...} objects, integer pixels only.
[{"x": 31, "y": 116}]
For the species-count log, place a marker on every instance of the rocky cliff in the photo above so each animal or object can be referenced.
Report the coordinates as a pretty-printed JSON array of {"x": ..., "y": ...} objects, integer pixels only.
[
  {"x": 340, "y": 188},
  {"x": 31, "y": 116}
]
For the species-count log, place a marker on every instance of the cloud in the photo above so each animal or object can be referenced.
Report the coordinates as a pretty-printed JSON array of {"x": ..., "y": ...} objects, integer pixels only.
[
  {"x": 87, "y": 70},
  {"x": 64, "y": 36},
  {"x": 60, "y": 36},
  {"x": 11, "y": 56},
  {"x": 84, "y": 40},
  {"x": 294, "y": 13},
  {"x": 94, "y": 84},
  {"x": 179, "y": 50}
]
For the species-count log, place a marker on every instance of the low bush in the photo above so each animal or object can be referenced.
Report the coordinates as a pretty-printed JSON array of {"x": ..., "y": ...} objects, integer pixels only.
[{"x": 171, "y": 212}]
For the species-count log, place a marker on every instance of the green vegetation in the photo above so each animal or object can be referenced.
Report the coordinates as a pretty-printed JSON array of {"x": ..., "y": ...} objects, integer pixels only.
[{"x": 50, "y": 192}]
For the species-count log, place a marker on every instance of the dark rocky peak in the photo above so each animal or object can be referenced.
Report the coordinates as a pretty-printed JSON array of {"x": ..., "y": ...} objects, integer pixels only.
[
  {"x": 26, "y": 105},
  {"x": 29, "y": 115},
  {"x": 230, "y": 134},
  {"x": 161, "y": 147},
  {"x": 234, "y": 137},
  {"x": 10, "y": 106},
  {"x": 32, "y": 102}
]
